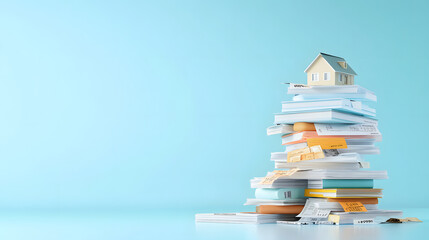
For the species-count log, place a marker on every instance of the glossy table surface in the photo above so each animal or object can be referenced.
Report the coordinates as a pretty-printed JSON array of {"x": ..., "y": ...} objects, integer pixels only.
[{"x": 142, "y": 225}]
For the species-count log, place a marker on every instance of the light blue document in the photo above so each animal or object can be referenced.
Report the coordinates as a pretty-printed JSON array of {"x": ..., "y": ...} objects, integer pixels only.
[
  {"x": 337, "y": 104},
  {"x": 279, "y": 193}
]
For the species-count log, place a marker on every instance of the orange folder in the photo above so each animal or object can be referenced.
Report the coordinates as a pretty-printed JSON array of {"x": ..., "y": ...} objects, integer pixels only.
[
  {"x": 303, "y": 126},
  {"x": 273, "y": 209}
]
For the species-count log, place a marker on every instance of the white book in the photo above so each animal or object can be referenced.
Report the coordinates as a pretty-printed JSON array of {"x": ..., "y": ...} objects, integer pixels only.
[
  {"x": 255, "y": 218},
  {"x": 320, "y": 165},
  {"x": 348, "y": 161},
  {"x": 351, "y": 96},
  {"x": 280, "y": 129},
  {"x": 346, "y": 129},
  {"x": 279, "y": 183},
  {"x": 328, "y": 116},
  {"x": 344, "y": 105},
  {"x": 374, "y": 216},
  {"x": 296, "y": 146},
  {"x": 305, "y": 89}
]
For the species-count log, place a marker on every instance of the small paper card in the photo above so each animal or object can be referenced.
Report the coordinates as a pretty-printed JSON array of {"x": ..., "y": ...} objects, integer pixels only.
[
  {"x": 294, "y": 85},
  {"x": 327, "y": 143},
  {"x": 353, "y": 207}
]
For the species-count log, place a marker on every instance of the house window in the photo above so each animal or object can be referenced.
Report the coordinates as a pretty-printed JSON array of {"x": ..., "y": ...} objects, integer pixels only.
[
  {"x": 326, "y": 76},
  {"x": 315, "y": 77},
  {"x": 340, "y": 78}
]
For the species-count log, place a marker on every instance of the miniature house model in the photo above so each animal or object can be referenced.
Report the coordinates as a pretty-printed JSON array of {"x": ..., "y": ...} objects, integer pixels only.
[{"x": 329, "y": 70}]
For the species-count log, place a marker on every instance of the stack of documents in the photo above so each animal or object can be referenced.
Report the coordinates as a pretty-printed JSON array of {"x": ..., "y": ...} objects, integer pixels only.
[
  {"x": 326, "y": 131},
  {"x": 321, "y": 177}
]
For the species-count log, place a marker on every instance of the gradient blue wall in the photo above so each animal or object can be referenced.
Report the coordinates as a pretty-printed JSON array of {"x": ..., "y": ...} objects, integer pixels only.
[{"x": 165, "y": 103}]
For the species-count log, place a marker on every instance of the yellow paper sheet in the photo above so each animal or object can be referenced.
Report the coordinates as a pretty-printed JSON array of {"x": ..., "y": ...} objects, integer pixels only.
[{"x": 353, "y": 207}]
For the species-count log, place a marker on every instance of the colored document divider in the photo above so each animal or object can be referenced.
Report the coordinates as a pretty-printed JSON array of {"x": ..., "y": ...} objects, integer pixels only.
[
  {"x": 353, "y": 207},
  {"x": 327, "y": 143},
  {"x": 277, "y": 174}
]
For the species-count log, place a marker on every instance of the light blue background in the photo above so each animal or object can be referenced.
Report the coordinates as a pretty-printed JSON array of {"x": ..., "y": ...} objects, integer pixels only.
[{"x": 164, "y": 104}]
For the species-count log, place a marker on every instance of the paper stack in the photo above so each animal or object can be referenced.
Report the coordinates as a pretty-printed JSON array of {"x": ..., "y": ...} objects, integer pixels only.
[
  {"x": 321, "y": 177},
  {"x": 326, "y": 131}
]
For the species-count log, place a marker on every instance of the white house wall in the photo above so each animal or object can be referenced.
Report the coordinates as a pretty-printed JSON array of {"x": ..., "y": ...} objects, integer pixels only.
[{"x": 320, "y": 66}]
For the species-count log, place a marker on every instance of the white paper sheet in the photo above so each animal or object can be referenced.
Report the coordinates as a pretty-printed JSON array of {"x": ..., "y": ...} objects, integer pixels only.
[{"x": 346, "y": 129}]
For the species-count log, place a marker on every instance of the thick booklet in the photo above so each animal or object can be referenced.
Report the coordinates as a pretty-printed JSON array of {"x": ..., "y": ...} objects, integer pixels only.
[
  {"x": 342, "y": 105},
  {"x": 321, "y": 174},
  {"x": 311, "y": 164},
  {"x": 244, "y": 217},
  {"x": 368, "y": 217},
  {"x": 335, "y": 89},
  {"x": 325, "y": 116},
  {"x": 351, "y": 96},
  {"x": 280, "y": 129},
  {"x": 279, "y": 183},
  {"x": 344, "y": 193},
  {"x": 286, "y": 202},
  {"x": 340, "y": 183},
  {"x": 344, "y": 161},
  {"x": 279, "y": 193}
]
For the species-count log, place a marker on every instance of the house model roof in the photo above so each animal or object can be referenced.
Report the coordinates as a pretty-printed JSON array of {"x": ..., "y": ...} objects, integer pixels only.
[{"x": 333, "y": 61}]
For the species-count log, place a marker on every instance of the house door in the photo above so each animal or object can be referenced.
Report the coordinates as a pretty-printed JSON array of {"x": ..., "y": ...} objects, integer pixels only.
[{"x": 346, "y": 79}]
